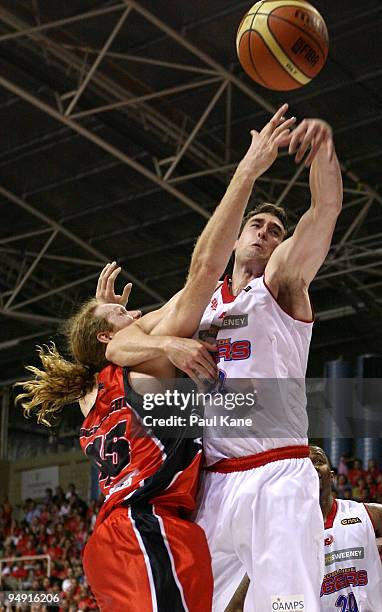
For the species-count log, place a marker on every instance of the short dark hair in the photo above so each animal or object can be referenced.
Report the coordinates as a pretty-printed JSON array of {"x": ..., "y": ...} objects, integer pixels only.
[{"x": 268, "y": 207}]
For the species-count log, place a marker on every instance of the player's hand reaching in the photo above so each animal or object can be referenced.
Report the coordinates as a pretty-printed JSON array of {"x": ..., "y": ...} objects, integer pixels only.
[
  {"x": 105, "y": 292},
  {"x": 312, "y": 133},
  {"x": 193, "y": 357},
  {"x": 265, "y": 144}
]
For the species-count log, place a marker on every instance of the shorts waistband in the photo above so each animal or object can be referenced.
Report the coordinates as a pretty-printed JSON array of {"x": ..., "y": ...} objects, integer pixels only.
[{"x": 241, "y": 464}]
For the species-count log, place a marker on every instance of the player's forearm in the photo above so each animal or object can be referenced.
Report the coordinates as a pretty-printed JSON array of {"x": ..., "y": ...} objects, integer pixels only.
[
  {"x": 134, "y": 346},
  {"x": 215, "y": 245},
  {"x": 326, "y": 183},
  {"x": 211, "y": 255}
]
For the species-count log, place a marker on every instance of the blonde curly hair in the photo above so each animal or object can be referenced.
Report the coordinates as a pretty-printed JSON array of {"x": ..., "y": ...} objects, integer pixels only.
[{"x": 60, "y": 382}]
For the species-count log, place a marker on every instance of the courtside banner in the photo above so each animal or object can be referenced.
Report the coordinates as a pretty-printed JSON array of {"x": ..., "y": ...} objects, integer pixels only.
[{"x": 282, "y": 408}]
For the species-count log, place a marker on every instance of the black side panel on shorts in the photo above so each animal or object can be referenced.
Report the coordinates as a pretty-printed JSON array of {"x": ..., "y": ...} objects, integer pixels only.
[{"x": 167, "y": 591}]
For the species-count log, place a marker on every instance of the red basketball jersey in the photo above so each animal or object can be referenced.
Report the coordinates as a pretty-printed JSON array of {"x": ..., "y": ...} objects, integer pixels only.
[{"x": 136, "y": 466}]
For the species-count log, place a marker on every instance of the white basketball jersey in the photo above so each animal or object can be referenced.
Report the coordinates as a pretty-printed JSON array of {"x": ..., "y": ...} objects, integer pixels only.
[
  {"x": 260, "y": 342},
  {"x": 353, "y": 569}
]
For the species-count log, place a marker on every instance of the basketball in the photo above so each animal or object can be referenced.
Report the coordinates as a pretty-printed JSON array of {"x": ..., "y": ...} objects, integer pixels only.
[{"x": 282, "y": 44}]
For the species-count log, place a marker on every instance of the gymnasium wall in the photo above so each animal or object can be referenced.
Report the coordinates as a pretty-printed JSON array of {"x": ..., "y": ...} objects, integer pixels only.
[
  {"x": 73, "y": 467},
  {"x": 4, "y": 478}
]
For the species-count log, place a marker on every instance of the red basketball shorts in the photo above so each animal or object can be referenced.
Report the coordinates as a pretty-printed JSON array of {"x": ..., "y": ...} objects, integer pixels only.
[{"x": 149, "y": 560}]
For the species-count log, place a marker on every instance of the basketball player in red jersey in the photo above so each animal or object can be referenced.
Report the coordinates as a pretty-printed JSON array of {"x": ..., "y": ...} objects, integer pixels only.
[
  {"x": 262, "y": 321},
  {"x": 143, "y": 555}
]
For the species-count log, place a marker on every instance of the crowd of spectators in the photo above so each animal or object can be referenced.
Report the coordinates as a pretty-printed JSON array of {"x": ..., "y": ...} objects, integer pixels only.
[
  {"x": 354, "y": 482},
  {"x": 59, "y": 527}
]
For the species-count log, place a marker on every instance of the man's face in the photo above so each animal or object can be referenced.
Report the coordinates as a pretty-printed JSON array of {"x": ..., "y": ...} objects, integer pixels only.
[
  {"x": 117, "y": 315},
  {"x": 321, "y": 463},
  {"x": 260, "y": 236}
]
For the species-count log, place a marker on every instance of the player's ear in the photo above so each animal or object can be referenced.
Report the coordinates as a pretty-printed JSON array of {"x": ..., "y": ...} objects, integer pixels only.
[
  {"x": 105, "y": 337},
  {"x": 331, "y": 475}
]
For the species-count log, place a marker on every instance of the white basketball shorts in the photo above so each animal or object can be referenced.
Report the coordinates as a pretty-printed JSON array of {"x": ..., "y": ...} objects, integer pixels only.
[{"x": 265, "y": 521}]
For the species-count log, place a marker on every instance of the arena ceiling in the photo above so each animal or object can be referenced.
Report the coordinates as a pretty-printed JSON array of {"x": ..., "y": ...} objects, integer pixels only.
[{"x": 121, "y": 124}]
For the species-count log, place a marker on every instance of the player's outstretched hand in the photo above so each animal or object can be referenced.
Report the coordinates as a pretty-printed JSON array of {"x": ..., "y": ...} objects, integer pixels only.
[
  {"x": 265, "y": 144},
  {"x": 194, "y": 358},
  {"x": 105, "y": 292},
  {"x": 311, "y": 133}
]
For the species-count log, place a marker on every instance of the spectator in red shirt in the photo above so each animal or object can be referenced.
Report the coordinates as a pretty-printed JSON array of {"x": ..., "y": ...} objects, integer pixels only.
[
  {"x": 30, "y": 548},
  {"x": 72, "y": 522},
  {"x": 82, "y": 533},
  {"x": 55, "y": 552},
  {"x": 49, "y": 535},
  {"x": 18, "y": 571},
  {"x": 371, "y": 485},
  {"x": 356, "y": 472},
  {"x": 373, "y": 469},
  {"x": 6, "y": 512}
]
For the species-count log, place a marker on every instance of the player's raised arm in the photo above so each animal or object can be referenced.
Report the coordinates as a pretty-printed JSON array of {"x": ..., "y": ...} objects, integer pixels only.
[
  {"x": 296, "y": 261},
  {"x": 214, "y": 247},
  {"x": 105, "y": 292},
  {"x": 211, "y": 253},
  {"x": 191, "y": 356}
]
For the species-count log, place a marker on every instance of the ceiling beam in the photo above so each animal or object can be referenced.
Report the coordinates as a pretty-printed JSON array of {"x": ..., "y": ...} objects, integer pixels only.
[
  {"x": 31, "y": 268},
  {"x": 103, "y": 144},
  {"x": 207, "y": 111},
  {"x": 157, "y": 122},
  {"x": 98, "y": 60},
  {"x": 61, "y": 289},
  {"x": 60, "y": 22},
  {"x": 142, "y": 60},
  {"x": 138, "y": 100},
  {"x": 204, "y": 57},
  {"x": 30, "y": 317},
  {"x": 101, "y": 257}
]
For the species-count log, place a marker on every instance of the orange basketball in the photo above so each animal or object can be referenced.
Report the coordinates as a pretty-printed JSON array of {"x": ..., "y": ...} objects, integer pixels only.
[{"x": 282, "y": 44}]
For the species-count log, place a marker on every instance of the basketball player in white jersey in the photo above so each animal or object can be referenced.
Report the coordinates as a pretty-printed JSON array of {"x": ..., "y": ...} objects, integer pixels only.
[
  {"x": 353, "y": 569},
  {"x": 259, "y": 501}
]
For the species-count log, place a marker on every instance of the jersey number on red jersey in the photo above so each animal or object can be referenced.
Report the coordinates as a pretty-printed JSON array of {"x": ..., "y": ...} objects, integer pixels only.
[{"x": 111, "y": 452}]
